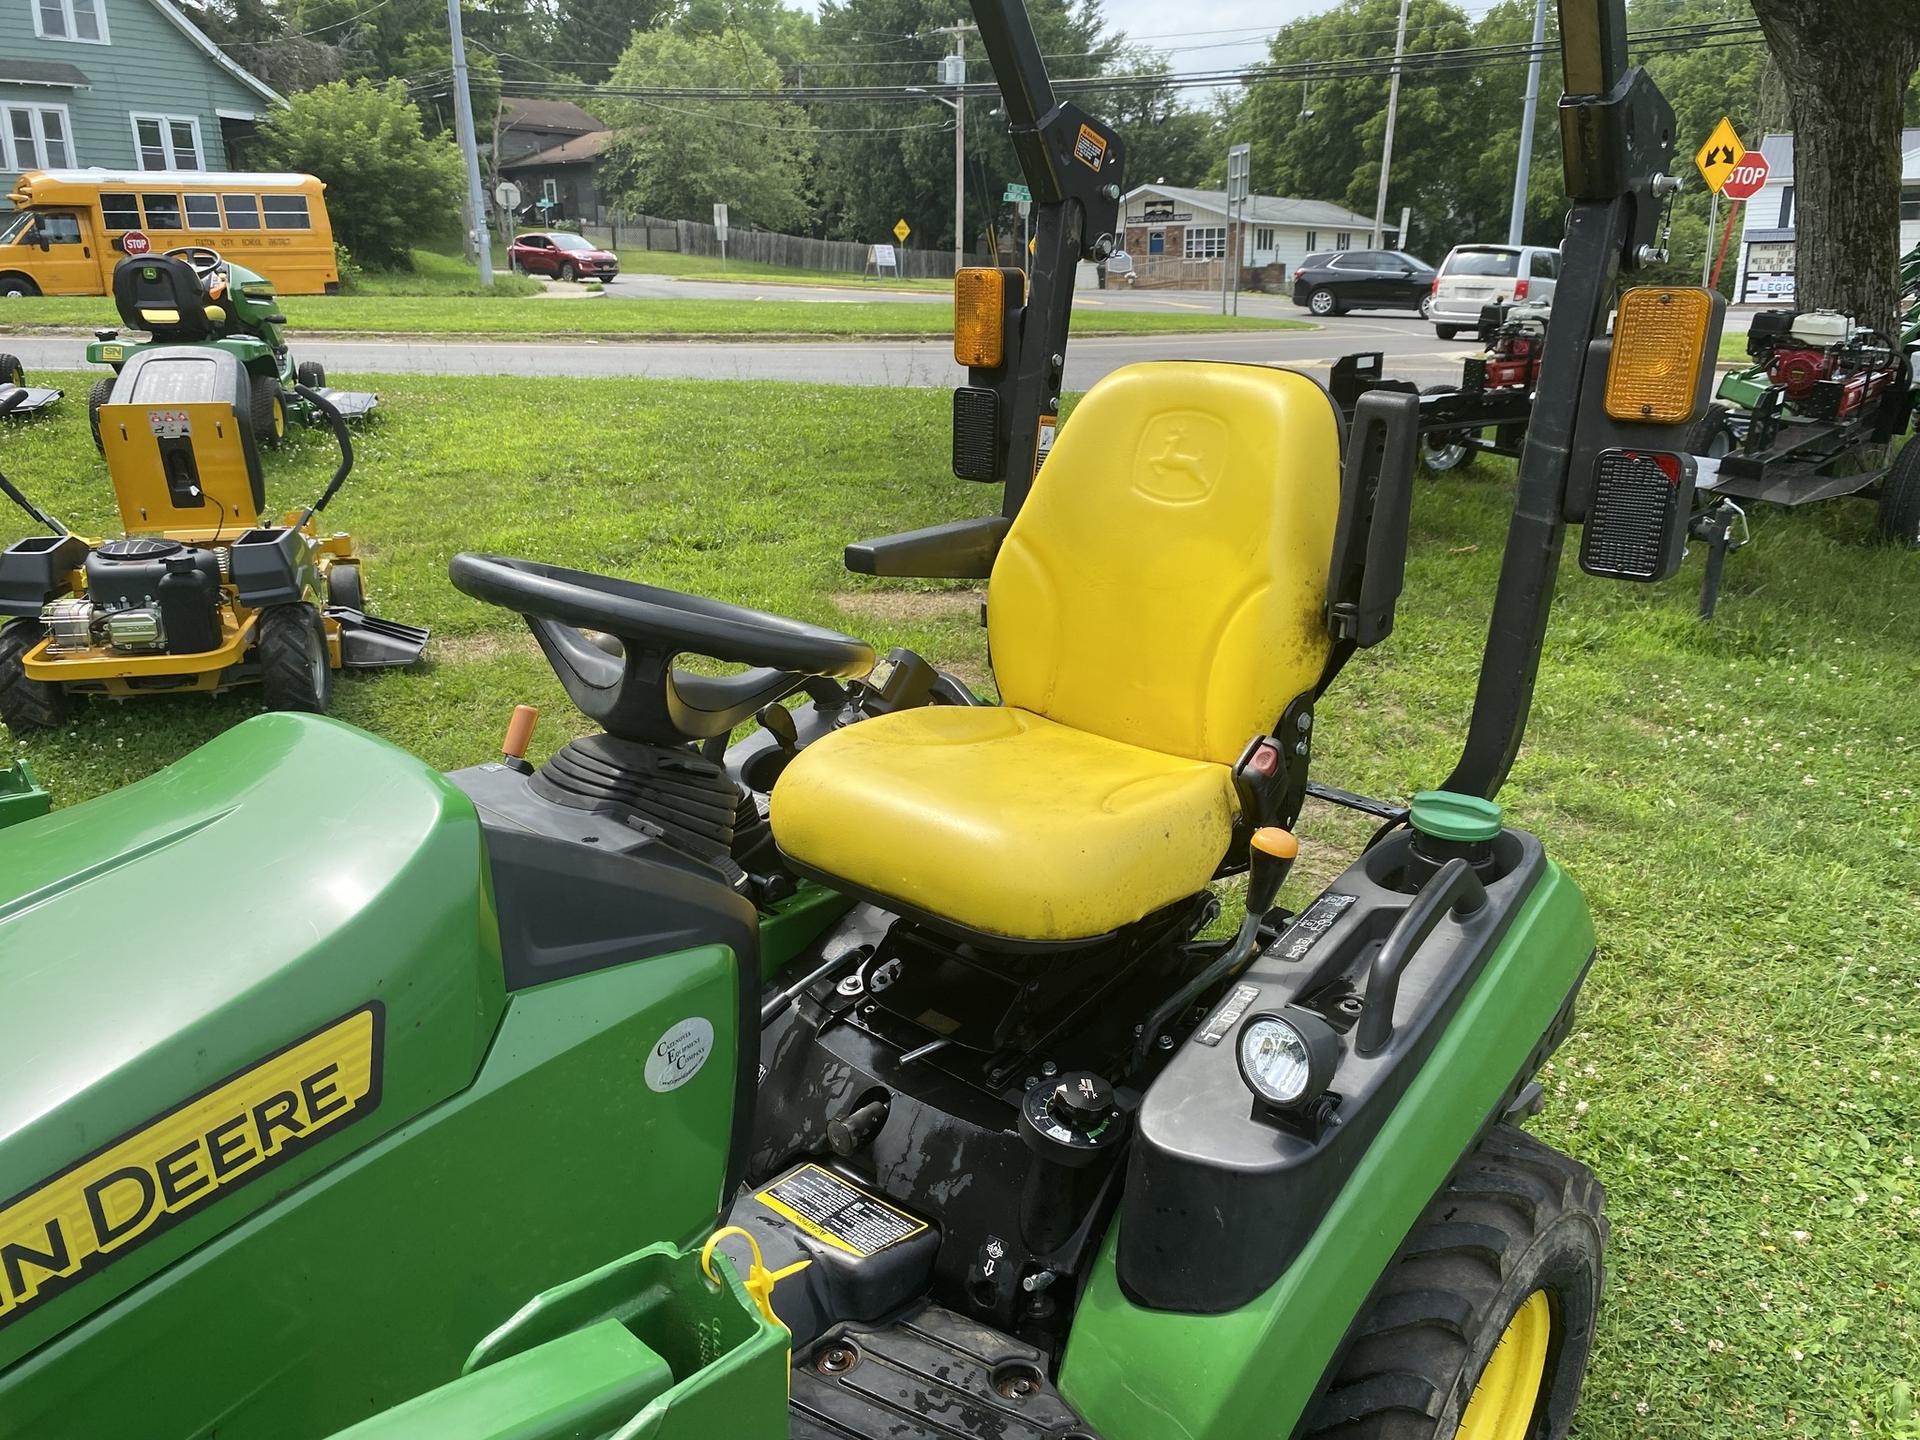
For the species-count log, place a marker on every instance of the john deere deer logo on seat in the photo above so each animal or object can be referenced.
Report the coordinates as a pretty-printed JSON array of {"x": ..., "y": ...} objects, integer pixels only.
[{"x": 1180, "y": 456}]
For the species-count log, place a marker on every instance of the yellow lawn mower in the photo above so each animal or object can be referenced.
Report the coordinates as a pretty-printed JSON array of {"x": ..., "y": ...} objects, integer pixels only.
[{"x": 201, "y": 591}]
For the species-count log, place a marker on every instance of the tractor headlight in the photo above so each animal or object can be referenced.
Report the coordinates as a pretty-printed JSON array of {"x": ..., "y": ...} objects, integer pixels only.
[{"x": 1287, "y": 1059}]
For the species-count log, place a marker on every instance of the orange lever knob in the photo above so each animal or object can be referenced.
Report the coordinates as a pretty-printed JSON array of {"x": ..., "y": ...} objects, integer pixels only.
[{"x": 520, "y": 731}]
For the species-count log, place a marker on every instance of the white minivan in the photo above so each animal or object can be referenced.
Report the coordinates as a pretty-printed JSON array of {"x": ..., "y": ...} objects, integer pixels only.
[{"x": 1475, "y": 275}]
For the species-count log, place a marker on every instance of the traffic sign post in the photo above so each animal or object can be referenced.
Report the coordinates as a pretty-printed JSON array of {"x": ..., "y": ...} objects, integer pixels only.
[
  {"x": 901, "y": 230},
  {"x": 1716, "y": 161},
  {"x": 1742, "y": 185},
  {"x": 720, "y": 229},
  {"x": 1239, "y": 186}
]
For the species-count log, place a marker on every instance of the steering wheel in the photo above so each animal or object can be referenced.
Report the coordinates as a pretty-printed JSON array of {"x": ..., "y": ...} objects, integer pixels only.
[
  {"x": 207, "y": 263},
  {"x": 640, "y": 694}
]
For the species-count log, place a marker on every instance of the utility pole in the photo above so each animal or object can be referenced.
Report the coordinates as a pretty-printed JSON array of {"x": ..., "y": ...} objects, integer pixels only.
[
  {"x": 953, "y": 71},
  {"x": 470, "y": 147},
  {"x": 1517, "y": 218},
  {"x": 1393, "y": 109}
]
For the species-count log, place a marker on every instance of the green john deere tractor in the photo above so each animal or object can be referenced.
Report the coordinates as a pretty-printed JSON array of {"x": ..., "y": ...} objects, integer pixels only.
[
  {"x": 871, "y": 1076},
  {"x": 193, "y": 296}
]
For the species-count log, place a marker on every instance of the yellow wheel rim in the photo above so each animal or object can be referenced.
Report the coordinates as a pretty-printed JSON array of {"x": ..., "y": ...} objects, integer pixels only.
[
  {"x": 279, "y": 418},
  {"x": 1509, "y": 1388}
]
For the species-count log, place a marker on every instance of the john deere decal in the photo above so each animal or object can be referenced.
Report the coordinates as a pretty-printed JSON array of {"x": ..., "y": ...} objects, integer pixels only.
[{"x": 80, "y": 1221}]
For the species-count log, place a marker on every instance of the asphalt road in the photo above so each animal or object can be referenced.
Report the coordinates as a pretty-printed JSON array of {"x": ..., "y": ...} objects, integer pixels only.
[{"x": 1411, "y": 348}]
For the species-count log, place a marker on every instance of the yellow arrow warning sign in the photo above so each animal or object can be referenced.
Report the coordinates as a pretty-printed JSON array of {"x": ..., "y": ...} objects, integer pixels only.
[{"x": 1720, "y": 156}]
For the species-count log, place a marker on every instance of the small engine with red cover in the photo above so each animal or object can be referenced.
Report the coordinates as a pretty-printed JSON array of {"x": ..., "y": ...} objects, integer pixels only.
[
  {"x": 1829, "y": 366},
  {"x": 1515, "y": 337}
]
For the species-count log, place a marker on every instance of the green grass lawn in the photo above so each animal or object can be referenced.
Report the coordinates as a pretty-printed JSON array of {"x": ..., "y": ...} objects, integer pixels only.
[
  {"x": 519, "y": 318},
  {"x": 1740, "y": 802}
]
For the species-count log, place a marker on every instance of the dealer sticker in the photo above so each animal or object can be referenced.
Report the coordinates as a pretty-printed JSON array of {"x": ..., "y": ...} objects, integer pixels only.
[
  {"x": 836, "y": 1213},
  {"x": 677, "y": 1056},
  {"x": 78, "y": 1222}
]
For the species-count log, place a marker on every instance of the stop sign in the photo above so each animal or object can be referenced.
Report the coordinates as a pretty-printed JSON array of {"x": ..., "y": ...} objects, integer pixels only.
[
  {"x": 135, "y": 242},
  {"x": 1747, "y": 177}
]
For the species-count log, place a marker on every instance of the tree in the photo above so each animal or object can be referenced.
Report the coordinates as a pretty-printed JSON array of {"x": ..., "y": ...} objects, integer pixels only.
[
  {"x": 677, "y": 158},
  {"x": 1165, "y": 139},
  {"x": 389, "y": 187},
  {"x": 1846, "y": 65}
]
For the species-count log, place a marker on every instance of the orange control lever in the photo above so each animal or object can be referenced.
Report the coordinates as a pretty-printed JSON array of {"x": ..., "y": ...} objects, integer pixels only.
[{"x": 519, "y": 732}]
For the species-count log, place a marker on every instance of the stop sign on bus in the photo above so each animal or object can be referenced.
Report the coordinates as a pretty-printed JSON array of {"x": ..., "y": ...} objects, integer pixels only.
[
  {"x": 135, "y": 242},
  {"x": 1747, "y": 177}
]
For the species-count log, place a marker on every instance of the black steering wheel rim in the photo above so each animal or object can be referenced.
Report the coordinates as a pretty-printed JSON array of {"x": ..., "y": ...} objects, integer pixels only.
[
  {"x": 640, "y": 694},
  {"x": 192, "y": 253}
]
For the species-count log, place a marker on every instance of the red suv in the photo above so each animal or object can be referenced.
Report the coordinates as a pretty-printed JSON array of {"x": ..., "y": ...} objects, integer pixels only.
[{"x": 560, "y": 254}]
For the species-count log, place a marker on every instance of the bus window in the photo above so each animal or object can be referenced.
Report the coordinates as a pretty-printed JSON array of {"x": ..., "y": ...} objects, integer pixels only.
[
  {"x": 243, "y": 212},
  {"x": 203, "y": 212},
  {"x": 285, "y": 212},
  {"x": 58, "y": 229},
  {"x": 163, "y": 211},
  {"x": 120, "y": 210}
]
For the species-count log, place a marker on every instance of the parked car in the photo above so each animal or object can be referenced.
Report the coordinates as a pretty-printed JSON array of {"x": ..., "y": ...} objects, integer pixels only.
[
  {"x": 1337, "y": 281},
  {"x": 561, "y": 254},
  {"x": 1475, "y": 275}
]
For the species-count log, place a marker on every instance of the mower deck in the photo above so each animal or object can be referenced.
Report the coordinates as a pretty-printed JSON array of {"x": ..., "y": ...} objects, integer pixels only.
[
  {"x": 38, "y": 398},
  {"x": 352, "y": 404}
]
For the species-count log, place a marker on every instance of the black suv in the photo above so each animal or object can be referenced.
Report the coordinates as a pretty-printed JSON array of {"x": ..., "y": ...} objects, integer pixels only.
[{"x": 1341, "y": 280}]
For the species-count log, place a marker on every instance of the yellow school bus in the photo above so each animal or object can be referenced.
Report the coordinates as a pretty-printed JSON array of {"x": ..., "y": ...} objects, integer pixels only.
[{"x": 69, "y": 227}]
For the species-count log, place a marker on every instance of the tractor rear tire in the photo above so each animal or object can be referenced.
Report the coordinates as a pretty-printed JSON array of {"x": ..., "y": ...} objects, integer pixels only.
[
  {"x": 1444, "y": 450},
  {"x": 12, "y": 372},
  {"x": 101, "y": 393},
  {"x": 295, "y": 673},
  {"x": 1900, "y": 498},
  {"x": 312, "y": 374},
  {"x": 1518, "y": 1220},
  {"x": 27, "y": 704},
  {"x": 269, "y": 411}
]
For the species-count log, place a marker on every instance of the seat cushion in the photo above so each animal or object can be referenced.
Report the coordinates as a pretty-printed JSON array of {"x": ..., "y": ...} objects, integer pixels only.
[{"x": 1003, "y": 821}]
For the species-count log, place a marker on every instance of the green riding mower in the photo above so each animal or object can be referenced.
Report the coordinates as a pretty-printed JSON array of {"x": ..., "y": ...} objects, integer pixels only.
[
  {"x": 873, "y": 1075},
  {"x": 192, "y": 296}
]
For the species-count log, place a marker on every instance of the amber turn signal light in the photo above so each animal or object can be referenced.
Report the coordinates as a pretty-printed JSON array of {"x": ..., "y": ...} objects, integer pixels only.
[
  {"x": 1659, "y": 344},
  {"x": 979, "y": 317}
]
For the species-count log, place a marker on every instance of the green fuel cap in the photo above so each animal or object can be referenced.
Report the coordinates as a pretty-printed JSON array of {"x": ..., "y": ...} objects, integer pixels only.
[{"x": 1446, "y": 816}]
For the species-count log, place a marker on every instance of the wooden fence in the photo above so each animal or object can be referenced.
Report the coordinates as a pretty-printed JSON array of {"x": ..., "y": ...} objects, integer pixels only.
[{"x": 801, "y": 252}]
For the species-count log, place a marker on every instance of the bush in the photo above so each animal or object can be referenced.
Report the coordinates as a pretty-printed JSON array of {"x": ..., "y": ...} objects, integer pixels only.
[
  {"x": 388, "y": 186},
  {"x": 350, "y": 272}
]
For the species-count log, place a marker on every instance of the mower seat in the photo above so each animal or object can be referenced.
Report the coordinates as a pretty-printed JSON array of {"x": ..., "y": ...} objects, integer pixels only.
[
  {"x": 1157, "y": 603},
  {"x": 164, "y": 295}
]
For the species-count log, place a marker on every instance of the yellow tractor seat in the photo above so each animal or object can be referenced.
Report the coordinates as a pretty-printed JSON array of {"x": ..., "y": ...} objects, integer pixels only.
[{"x": 1157, "y": 603}]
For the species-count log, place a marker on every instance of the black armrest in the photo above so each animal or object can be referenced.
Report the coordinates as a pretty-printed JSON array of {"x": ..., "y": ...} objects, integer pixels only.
[{"x": 959, "y": 550}]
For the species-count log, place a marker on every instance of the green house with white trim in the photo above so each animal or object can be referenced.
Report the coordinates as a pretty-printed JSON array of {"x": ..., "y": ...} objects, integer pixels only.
[{"x": 117, "y": 85}]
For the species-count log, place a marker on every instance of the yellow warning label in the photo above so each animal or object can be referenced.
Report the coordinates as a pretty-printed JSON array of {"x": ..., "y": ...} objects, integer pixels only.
[
  {"x": 1048, "y": 427},
  {"x": 1090, "y": 148},
  {"x": 80, "y": 1221},
  {"x": 836, "y": 1213}
]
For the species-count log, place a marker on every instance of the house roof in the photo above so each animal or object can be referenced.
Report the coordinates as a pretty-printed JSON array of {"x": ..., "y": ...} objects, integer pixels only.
[
  {"x": 213, "y": 52},
  {"x": 43, "y": 72},
  {"x": 517, "y": 112},
  {"x": 1265, "y": 209},
  {"x": 578, "y": 150},
  {"x": 1778, "y": 148}
]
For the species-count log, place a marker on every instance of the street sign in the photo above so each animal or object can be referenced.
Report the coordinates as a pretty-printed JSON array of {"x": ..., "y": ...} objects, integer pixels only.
[
  {"x": 507, "y": 195},
  {"x": 544, "y": 203},
  {"x": 720, "y": 218},
  {"x": 1239, "y": 173},
  {"x": 135, "y": 242},
  {"x": 1720, "y": 156},
  {"x": 901, "y": 230},
  {"x": 1016, "y": 193},
  {"x": 1747, "y": 177}
]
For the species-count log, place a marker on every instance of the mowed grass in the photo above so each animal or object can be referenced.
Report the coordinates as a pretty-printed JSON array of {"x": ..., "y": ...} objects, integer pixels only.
[
  {"x": 616, "y": 319},
  {"x": 1739, "y": 801}
]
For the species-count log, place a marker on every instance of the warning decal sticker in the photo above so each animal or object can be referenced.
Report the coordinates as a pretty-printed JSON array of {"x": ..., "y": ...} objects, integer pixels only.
[
  {"x": 1043, "y": 435},
  {"x": 133, "y": 1189},
  {"x": 1305, "y": 932},
  {"x": 1090, "y": 148},
  {"x": 839, "y": 1214}
]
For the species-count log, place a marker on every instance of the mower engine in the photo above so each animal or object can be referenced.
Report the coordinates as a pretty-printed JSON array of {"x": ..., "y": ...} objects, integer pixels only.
[
  {"x": 1515, "y": 337},
  {"x": 143, "y": 596},
  {"x": 1829, "y": 366}
]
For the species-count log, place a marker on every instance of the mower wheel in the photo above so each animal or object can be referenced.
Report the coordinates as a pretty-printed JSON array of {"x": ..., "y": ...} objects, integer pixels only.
[
  {"x": 1900, "y": 498},
  {"x": 1443, "y": 450},
  {"x": 269, "y": 410},
  {"x": 344, "y": 587},
  {"x": 27, "y": 704},
  {"x": 1483, "y": 1327},
  {"x": 101, "y": 393},
  {"x": 312, "y": 374},
  {"x": 295, "y": 673},
  {"x": 1711, "y": 435},
  {"x": 12, "y": 372},
  {"x": 1323, "y": 302}
]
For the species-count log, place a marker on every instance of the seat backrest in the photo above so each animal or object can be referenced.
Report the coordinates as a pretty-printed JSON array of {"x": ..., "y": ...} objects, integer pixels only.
[
  {"x": 163, "y": 295},
  {"x": 1164, "y": 582}
]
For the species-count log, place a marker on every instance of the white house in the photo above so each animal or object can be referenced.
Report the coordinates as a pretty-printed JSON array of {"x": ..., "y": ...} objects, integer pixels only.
[
  {"x": 1177, "y": 236},
  {"x": 1765, "y": 268}
]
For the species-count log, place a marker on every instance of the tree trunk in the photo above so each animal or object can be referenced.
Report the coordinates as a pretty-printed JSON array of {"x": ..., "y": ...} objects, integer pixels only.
[{"x": 1846, "y": 65}]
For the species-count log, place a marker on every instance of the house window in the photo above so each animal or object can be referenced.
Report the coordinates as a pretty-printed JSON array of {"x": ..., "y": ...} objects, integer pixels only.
[
  {"x": 35, "y": 137},
  {"x": 286, "y": 212},
  {"x": 243, "y": 212},
  {"x": 203, "y": 212},
  {"x": 1313, "y": 241},
  {"x": 163, "y": 211},
  {"x": 1910, "y": 204},
  {"x": 120, "y": 210},
  {"x": 1786, "y": 208},
  {"x": 1263, "y": 239},
  {"x": 1206, "y": 242},
  {"x": 167, "y": 142},
  {"x": 550, "y": 191},
  {"x": 70, "y": 20},
  {"x": 1343, "y": 240}
]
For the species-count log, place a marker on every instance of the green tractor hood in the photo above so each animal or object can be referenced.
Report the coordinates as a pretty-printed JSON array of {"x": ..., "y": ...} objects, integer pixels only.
[{"x": 339, "y": 975}]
